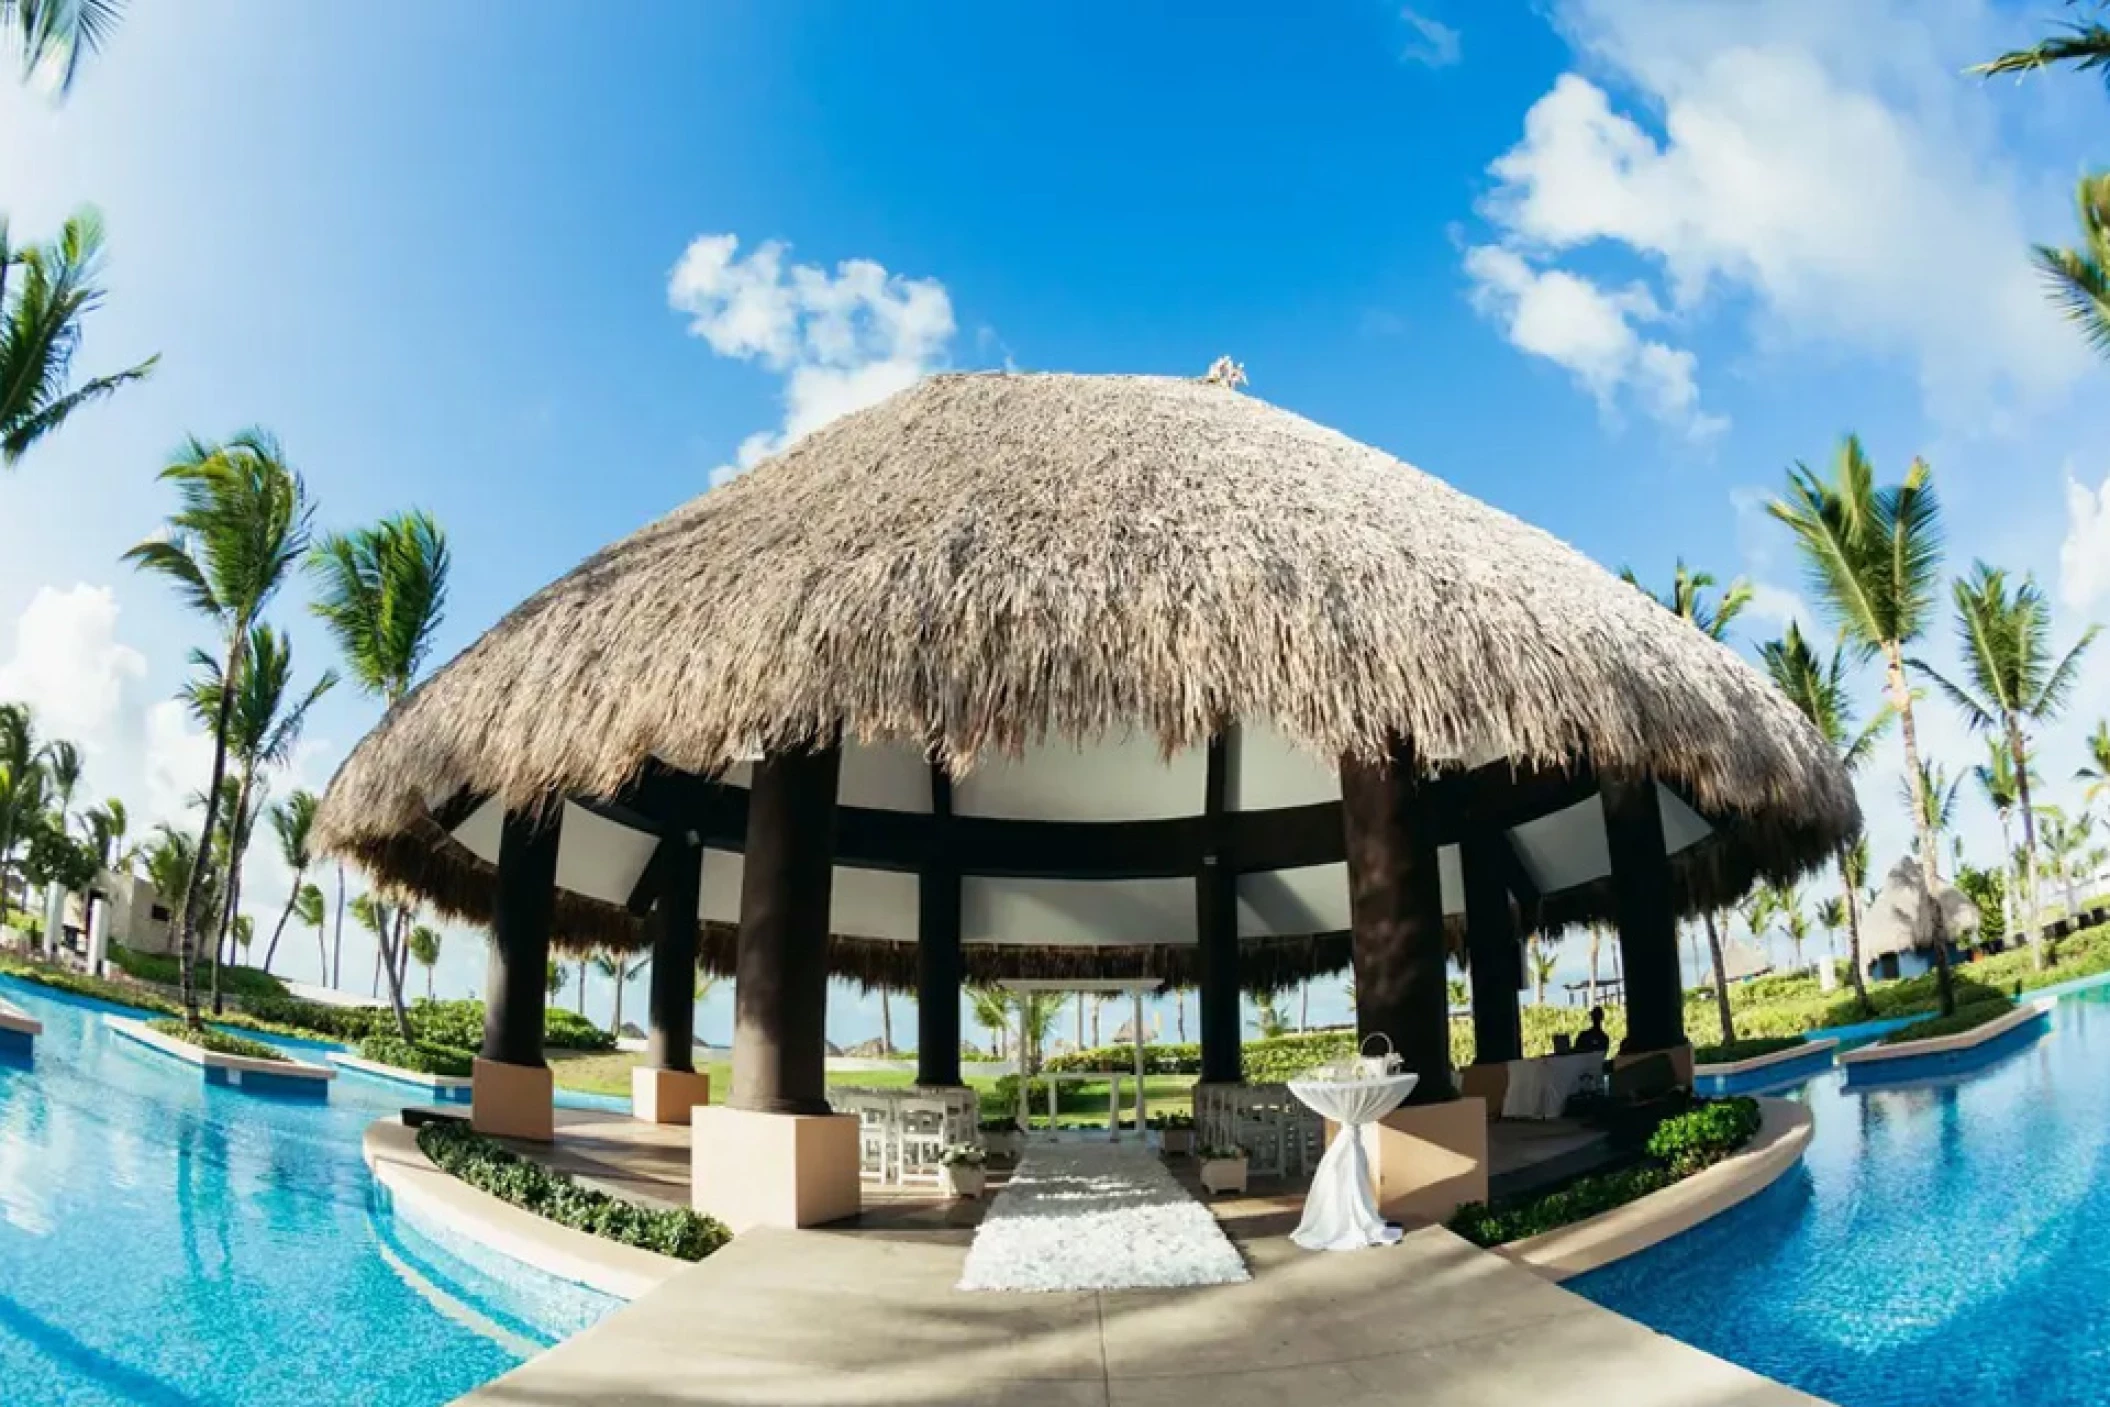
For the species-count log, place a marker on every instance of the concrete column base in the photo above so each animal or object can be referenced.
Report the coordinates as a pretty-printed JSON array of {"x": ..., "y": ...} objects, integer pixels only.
[
  {"x": 1680, "y": 1059},
  {"x": 666, "y": 1096},
  {"x": 512, "y": 1101},
  {"x": 749, "y": 1169},
  {"x": 1488, "y": 1083},
  {"x": 1427, "y": 1160}
]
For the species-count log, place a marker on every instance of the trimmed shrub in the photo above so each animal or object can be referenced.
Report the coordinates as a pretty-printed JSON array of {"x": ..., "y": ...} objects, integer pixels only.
[
  {"x": 164, "y": 970},
  {"x": 1729, "y": 1052},
  {"x": 1968, "y": 1016},
  {"x": 1681, "y": 1146},
  {"x": 350, "y": 1024},
  {"x": 218, "y": 1042},
  {"x": 460, "y": 1024},
  {"x": 1703, "y": 1135},
  {"x": 79, "y": 984},
  {"x": 424, "y": 1058},
  {"x": 483, "y": 1164}
]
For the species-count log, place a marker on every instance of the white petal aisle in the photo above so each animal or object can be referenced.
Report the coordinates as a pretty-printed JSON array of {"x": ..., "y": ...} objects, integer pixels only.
[{"x": 1097, "y": 1216}]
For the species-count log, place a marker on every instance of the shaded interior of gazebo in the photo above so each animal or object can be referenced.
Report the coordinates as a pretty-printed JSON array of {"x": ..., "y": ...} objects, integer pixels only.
[{"x": 1245, "y": 864}]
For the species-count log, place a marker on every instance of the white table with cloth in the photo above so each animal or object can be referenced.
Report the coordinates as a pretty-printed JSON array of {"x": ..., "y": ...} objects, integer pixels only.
[
  {"x": 1541, "y": 1088},
  {"x": 1340, "y": 1212}
]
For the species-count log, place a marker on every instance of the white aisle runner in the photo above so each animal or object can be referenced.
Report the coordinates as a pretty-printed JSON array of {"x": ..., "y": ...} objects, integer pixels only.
[{"x": 1097, "y": 1216}]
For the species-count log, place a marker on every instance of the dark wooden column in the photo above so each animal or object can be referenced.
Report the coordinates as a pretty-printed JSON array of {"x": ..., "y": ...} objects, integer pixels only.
[
  {"x": 1395, "y": 895},
  {"x": 516, "y": 983},
  {"x": 780, "y": 997},
  {"x": 1491, "y": 942},
  {"x": 1648, "y": 929},
  {"x": 939, "y": 967},
  {"x": 1216, "y": 934},
  {"x": 672, "y": 1041}
]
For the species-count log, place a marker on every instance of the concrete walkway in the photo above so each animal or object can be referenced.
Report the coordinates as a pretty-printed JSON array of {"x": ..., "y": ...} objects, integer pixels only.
[{"x": 865, "y": 1318}]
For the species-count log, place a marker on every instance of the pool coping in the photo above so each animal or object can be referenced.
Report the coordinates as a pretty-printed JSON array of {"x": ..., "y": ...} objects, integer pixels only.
[
  {"x": 1783, "y": 1133},
  {"x": 14, "y": 1018},
  {"x": 2024, "y": 1013},
  {"x": 238, "y": 1065},
  {"x": 1802, "y": 1050},
  {"x": 396, "y": 1074},
  {"x": 392, "y": 1155}
]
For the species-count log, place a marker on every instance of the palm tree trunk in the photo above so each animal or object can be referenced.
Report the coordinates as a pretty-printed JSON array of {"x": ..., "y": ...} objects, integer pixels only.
[
  {"x": 886, "y": 1017},
  {"x": 1853, "y": 936},
  {"x": 428, "y": 981},
  {"x": 2010, "y": 901},
  {"x": 2039, "y": 958},
  {"x": 337, "y": 955},
  {"x": 1304, "y": 1005},
  {"x": 237, "y": 842},
  {"x": 1901, "y": 700},
  {"x": 582, "y": 986},
  {"x": 1179, "y": 1012},
  {"x": 322, "y": 957},
  {"x": 389, "y": 946},
  {"x": 1721, "y": 977},
  {"x": 271, "y": 948},
  {"x": 1595, "y": 939},
  {"x": 187, "y": 911}
]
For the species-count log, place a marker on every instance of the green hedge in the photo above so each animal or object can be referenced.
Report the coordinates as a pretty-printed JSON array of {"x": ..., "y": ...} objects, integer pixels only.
[
  {"x": 1729, "y": 1052},
  {"x": 350, "y": 1024},
  {"x": 1965, "y": 1018},
  {"x": 423, "y": 1057},
  {"x": 461, "y": 1024},
  {"x": 218, "y": 1042},
  {"x": 1681, "y": 1146},
  {"x": 483, "y": 1164},
  {"x": 164, "y": 969}
]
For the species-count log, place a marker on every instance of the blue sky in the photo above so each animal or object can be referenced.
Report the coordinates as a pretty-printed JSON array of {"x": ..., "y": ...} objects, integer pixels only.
[{"x": 1611, "y": 265}]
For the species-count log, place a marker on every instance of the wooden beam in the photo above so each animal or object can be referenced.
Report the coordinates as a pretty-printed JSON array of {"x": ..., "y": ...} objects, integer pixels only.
[
  {"x": 940, "y": 961},
  {"x": 1216, "y": 931},
  {"x": 646, "y": 890}
]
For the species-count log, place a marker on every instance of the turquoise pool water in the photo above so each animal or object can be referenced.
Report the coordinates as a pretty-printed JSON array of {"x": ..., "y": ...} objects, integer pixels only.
[
  {"x": 167, "y": 1243},
  {"x": 1946, "y": 1239}
]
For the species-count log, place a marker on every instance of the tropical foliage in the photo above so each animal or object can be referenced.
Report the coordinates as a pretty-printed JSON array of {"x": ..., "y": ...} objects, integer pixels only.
[{"x": 46, "y": 294}]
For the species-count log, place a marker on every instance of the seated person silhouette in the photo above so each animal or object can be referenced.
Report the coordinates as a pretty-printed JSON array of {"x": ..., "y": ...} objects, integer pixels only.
[{"x": 1595, "y": 1039}]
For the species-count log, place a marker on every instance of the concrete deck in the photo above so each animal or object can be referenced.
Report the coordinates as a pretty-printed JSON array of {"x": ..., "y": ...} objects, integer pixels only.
[{"x": 789, "y": 1318}]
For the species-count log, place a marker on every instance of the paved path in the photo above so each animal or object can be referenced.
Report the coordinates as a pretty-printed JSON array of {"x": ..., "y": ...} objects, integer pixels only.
[{"x": 870, "y": 1319}]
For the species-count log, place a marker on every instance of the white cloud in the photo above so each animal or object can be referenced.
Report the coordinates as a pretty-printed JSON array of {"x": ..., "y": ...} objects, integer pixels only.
[
  {"x": 1434, "y": 45},
  {"x": 1590, "y": 331},
  {"x": 1829, "y": 173},
  {"x": 842, "y": 340},
  {"x": 2084, "y": 556},
  {"x": 176, "y": 764},
  {"x": 68, "y": 665}
]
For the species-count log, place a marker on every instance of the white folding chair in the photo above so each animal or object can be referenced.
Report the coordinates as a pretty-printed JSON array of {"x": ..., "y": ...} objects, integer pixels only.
[
  {"x": 921, "y": 1133},
  {"x": 875, "y": 1134}
]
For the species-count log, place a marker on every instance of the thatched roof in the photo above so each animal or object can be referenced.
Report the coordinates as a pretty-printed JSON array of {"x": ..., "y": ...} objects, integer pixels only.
[
  {"x": 987, "y": 563},
  {"x": 1902, "y": 920}
]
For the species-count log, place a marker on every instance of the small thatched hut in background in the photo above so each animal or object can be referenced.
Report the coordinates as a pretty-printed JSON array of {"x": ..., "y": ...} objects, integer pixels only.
[{"x": 1897, "y": 936}]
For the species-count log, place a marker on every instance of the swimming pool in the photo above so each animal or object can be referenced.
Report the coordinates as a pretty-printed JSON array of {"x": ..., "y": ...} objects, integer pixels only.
[
  {"x": 170, "y": 1243},
  {"x": 1945, "y": 1240}
]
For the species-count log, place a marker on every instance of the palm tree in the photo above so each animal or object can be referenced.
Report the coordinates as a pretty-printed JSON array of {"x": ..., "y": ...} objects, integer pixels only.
[
  {"x": 2078, "y": 280},
  {"x": 381, "y": 591},
  {"x": 1687, "y": 599},
  {"x": 1931, "y": 799},
  {"x": 40, "y": 330},
  {"x": 242, "y": 524},
  {"x": 886, "y": 1020},
  {"x": 424, "y": 945},
  {"x": 24, "y": 788},
  {"x": 291, "y": 821},
  {"x": 1818, "y": 689},
  {"x": 106, "y": 825},
  {"x": 616, "y": 968},
  {"x": 311, "y": 909},
  {"x": 1267, "y": 1016},
  {"x": 1787, "y": 906},
  {"x": 55, "y": 35},
  {"x": 264, "y": 724},
  {"x": 2066, "y": 845},
  {"x": 1873, "y": 558},
  {"x": 992, "y": 1012},
  {"x": 2010, "y": 680},
  {"x": 1596, "y": 942},
  {"x": 1757, "y": 912},
  {"x": 1542, "y": 964},
  {"x": 1831, "y": 917},
  {"x": 1997, "y": 781},
  {"x": 2097, "y": 772},
  {"x": 2084, "y": 45}
]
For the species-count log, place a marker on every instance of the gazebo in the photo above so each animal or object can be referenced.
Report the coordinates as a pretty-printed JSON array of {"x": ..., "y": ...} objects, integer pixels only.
[{"x": 1061, "y": 676}]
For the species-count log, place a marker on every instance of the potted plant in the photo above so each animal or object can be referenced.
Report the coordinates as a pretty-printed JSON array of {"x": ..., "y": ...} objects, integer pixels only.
[
  {"x": 1175, "y": 1133},
  {"x": 1223, "y": 1169},
  {"x": 961, "y": 1172},
  {"x": 1001, "y": 1138}
]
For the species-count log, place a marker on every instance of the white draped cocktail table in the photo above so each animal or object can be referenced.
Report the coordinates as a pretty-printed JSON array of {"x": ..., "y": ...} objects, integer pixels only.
[{"x": 1340, "y": 1212}]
